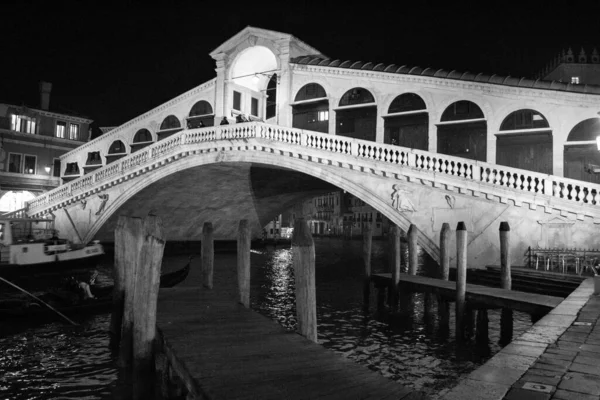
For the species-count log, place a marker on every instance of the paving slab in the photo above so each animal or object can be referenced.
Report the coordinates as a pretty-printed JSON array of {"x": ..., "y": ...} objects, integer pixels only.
[
  {"x": 581, "y": 383},
  {"x": 561, "y": 394}
]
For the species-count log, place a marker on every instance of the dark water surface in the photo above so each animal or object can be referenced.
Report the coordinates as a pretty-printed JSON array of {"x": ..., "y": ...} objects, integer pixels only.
[{"x": 53, "y": 360}]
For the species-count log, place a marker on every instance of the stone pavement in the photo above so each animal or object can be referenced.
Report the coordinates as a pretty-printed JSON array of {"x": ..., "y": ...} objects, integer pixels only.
[{"x": 558, "y": 358}]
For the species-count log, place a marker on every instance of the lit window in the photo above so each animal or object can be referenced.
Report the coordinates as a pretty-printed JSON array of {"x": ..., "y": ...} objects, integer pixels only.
[
  {"x": 575, "y": 80},
  {"x": 14, "y": 163},
  {"x": 21, "y": 123},
  {"x": 323, "y": 115},
  {"x": 74, "y": 132},
  {"x": 61, "y": 128},
  {"x": 29, "y": 165}
]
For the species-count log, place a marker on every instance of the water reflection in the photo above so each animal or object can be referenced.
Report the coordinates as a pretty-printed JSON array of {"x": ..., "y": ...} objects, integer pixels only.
[
  {"x": 57, "y": 361},
  {"x": 411, "y": 347}
]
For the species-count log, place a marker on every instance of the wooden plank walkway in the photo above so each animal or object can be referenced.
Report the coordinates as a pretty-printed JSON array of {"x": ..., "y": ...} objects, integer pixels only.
[
  {"x": 225, "y": 351},
  {"x": 476, "y": 294}
]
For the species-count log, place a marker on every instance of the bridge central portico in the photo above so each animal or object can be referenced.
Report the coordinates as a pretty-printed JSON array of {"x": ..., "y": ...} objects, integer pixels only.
[{"x": 406, "y": 185}]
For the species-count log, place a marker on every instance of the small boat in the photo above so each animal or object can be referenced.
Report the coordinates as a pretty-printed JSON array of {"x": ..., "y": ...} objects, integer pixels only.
[
  {"x": 64, "y": 301},
  {"x": 28, "y": 246}
]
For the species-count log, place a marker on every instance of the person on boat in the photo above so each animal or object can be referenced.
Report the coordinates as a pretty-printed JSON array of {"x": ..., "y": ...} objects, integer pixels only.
[{"x": 85, "y": 286}]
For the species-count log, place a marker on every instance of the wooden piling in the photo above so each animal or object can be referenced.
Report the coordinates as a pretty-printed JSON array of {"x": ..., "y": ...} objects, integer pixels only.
[
  {"x": 367, "y": 245},
  {"x": 413, "y": 256},
  {"x": 396, "y": 265},
  {"x": 243, "y": 262},
  {"x": 128, "y": 245},
  {"x": 443, "y": 305},
  {"x": 505, "y": 256},
  {"x": 208, "y": 255},
  {"x": 469, "y": 321},
  {"x": 482, "y": 334},
  {"x": 461, "y": 278},
  {"x": 303, "y": 252},
  {"x": 506, "y": 318},
  {"x": 445, "y": 251},
  {"x": 147, "y": 282}
]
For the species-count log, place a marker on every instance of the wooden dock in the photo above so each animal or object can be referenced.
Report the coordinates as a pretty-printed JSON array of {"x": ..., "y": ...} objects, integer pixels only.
[
  {"x": 222, "y": 350},
  {"x": 477, "y": 295}
]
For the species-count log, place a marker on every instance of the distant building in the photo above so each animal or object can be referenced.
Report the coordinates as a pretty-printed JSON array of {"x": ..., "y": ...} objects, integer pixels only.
[
  {"x": 31, "y": 142},
  {"x": 582, "y": 68}
]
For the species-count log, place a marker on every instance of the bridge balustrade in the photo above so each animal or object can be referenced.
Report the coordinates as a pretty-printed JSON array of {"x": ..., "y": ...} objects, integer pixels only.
[{"x": 440, "y": 164}]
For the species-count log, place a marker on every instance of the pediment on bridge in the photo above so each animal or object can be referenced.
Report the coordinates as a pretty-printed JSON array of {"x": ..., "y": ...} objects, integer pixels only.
[{"x": 251, "y": 36}]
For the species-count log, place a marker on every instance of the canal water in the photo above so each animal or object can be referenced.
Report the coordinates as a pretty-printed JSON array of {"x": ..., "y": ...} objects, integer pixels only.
[{"x": 52, "y": 360}]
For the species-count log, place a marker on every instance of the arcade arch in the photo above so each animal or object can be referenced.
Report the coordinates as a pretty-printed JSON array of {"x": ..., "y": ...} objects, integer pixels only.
[
  {"x": 525, "y": 141},
  {"x": 201, "y": 115},
  {"x": 116, "y": 150},
  {"x": 311, "y": 108},
  {"x": 356, "y": 115},
  {"x": 581, "y": 155},
  {"x": 407, "y": 122},
  {"x": 462, "y": 131},
  {"x": 168, "y": 127},
  {"x": 141, "y": 139}
]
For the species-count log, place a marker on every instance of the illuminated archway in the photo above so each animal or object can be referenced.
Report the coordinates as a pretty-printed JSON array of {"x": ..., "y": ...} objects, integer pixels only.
[{"x": 14, "y": 200}]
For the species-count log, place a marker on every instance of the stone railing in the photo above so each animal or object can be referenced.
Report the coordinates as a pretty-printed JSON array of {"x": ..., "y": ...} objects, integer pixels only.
[{"x": 440, "y": 165}]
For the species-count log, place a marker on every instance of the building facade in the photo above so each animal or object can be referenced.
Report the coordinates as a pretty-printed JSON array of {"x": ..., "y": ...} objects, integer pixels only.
[{"x": 32, "y": 140}]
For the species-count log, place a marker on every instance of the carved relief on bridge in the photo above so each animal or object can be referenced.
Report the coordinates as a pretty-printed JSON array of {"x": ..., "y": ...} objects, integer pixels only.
[
  {"x": 556, "y": 232},
  {"x": 104, "y": 200},
  {"x": 400, "y": 200}
]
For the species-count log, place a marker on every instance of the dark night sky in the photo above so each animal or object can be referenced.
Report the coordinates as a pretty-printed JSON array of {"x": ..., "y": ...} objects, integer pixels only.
[{"x": 116, "y": 61}]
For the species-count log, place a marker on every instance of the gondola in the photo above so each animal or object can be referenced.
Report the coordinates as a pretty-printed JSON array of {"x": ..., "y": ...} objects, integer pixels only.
[{"x": 102, "y": 303}]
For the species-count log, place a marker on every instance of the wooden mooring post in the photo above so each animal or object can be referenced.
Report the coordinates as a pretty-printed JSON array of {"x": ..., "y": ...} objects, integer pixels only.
[
  {"x": 303, "y": 251},
  {"x": 461, "y": 279},
  {"x": 367, "y": 245},
  {"x": 482, "y": 334},
  {"x": 396, "y": 256},
  {"x": 243, "y": 262},
  {"x": 139, "y": 246},
  {"x": 413, "y": 255},
  {"x": 506, "y": 318},
  {"x": 127, "y": 236},
  {"x": 444, "y": 306},
  {"x": 147, "y": 283},
  {"x": 208, "y": 255}
]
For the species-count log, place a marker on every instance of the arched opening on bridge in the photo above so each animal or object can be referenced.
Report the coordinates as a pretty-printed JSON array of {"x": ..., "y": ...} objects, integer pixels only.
[
  {"x": 525, "y": 141},
  {"x": 356, "y": 115},
  {"x": 311, "y": 109},
  {"x": 14, "y": 200},
  {"x": 93, "y": 162},
  {"x": 141, "y": 139},
  {"x": 253, "y": 84},
  {"x": 71, "y": 172},
  {"x": 201, "y": 115},
  {"x": 168, "y": 127},
  {"x": 115, "y": 151},
  {"x": 462, "y": 131},
  {"x": 581, "y": 156},
  {"x": 407, "y": 122}
]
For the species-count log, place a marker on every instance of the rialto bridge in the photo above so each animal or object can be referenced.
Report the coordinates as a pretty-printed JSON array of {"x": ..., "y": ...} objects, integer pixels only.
[{"x": 421, "y": 146}]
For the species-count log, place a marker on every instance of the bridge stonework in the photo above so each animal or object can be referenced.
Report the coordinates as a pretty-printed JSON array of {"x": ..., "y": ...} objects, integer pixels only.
[{"x": 205, "y": 174}]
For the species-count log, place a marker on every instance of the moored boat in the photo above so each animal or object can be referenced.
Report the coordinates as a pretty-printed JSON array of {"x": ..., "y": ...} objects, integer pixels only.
[{"x": 28, "y": 246}]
